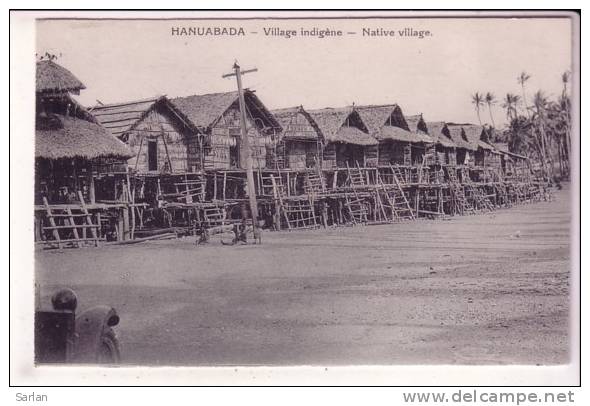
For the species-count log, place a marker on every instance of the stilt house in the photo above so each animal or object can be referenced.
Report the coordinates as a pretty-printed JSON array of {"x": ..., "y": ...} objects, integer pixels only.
[
  {"x": 397, "y": 144},
  {"x": 478, "y": 137},
  {"x": 347, "y": 138},
  {"x": 425, "y": 149},
  {"x": 299, "y": 145},
  {"x": 513, "y": 165},
  {"x": 161, "y": 140},
  {"x": 466, "y": 148},
  {"x": 71, "y": 148},
  {"x": 445, "y": 148},
  {"x": 217, "y": 117}
]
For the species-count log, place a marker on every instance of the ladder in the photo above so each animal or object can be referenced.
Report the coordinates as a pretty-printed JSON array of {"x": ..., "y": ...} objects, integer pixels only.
[
  {"x": 297, "y": 213},
  {"x": 423, "y": 174},
  {"x": 214, "y": 215},
  {"x": 398, "y": 176},
  {"x": 462, "y": 206},
  {"x": 481, "y": 200},
  {"x": 393, "y": 202},
  {"x": 300, "y": 213},
  {"x": 355, "y": 176},
  {"x": 403, "y": 210},
  {"x": 354, "y": 203},
  {"x": 63, "y": 228},
  {"x": 268, "y": 184},
  {"x": 314, "y": 184},
  {"x": 356, "y": 208},
  {"x": 500, "y": 187},
  {"x": 189, "y": 190}
]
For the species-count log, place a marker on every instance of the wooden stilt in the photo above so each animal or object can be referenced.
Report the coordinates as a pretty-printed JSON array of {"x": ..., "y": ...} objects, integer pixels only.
[
  {"x": 215, "y": 186},
  {"x": 224, "y": 184},
  {"x": 92, "y": 191}
]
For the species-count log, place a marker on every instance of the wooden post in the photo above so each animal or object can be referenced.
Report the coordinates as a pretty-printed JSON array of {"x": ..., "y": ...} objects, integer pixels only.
[
  {"x": 120, "y": 235},
  {"x": 92, "y": 191},
  {"x": 138, "y": 153},
  {"x": 52, "y": 222},
  {"x": 167, "y": 154},
  {"x": 38, "y": 227},
  {"x": 324, "y": 213},
  {"x": 224, "y": 184},
  {"x": 133, "y": 214},
  {"x": 247, "y": 154},
  {"x": 215, "y": 186},
  {"x": 126, "y": 228}
]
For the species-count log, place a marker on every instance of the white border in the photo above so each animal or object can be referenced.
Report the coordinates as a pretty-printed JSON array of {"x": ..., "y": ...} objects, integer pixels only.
[{"x": 22, "y": 95}]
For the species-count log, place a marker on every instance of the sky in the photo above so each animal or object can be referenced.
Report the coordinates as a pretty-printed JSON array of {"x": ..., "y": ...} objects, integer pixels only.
[{"x": 123, "y": 60}]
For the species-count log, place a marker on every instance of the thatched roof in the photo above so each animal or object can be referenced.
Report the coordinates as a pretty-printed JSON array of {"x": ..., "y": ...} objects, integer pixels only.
[
  {"x": 477, "y": 134},
  {"x": 286, "y": 116},
  {"x": 459, "y": 137},
  {"x": 286, "y": 113},
  {"x": 203, "y": 111},
  {"x": 53, "y": 78},
  {"x": 377, "y": 118},
  {"x": 352, "y": 135},
  {"x": 469, "y": 136},
  {"x": 416, "y": 123},
  {"x": 503, "y": 148},
  {"x": 389, "y": 132},
  {"x": 120, "y": 118},
  {"x": 58, "y": 136},
  {"x": 331, "y": 122},
  {"x": 439, "y": 132}
]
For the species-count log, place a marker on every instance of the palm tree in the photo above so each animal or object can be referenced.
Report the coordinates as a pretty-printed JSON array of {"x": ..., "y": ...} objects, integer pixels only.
[
  {"x": 522, "y": 79},
  {"x": 565, "y": 78},
  {"x": 510, "y": 103},
  {"x": 490, "y": 100},
  {"x": 478, "y": 100},
  {"x": 565, "y": 104},
  {"x": 540, "y": 103}
]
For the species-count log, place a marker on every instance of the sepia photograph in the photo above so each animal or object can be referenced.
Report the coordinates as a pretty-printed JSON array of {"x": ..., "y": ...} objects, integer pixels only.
[{"x": 281, "y": 190}]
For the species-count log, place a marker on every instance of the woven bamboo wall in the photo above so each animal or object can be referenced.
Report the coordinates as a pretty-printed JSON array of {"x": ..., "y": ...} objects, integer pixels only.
[
  {"x": 480, "y": 157},
  {"x": 329, "y": 156},
  {"x": 394, "y": 152},
  {"x": 372, "y": 155},
  {"x": 172, "y": 146},
  {"x": 493, "y": 160},
  {"x": 223, "y": 139},
  {"x": 296, "y": 154},
  {"x": 351, "y": 154}
]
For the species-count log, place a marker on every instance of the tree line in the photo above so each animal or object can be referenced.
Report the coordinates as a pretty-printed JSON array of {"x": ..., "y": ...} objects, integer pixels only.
[{"x": 539, "y": 129}]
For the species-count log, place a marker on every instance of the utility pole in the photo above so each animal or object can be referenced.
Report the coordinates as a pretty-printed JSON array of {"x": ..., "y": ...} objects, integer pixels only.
[{"x": 244, "y": 151}]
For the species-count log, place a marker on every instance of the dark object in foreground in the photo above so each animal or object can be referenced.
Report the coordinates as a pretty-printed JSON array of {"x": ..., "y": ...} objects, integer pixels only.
[{"x": 61, "y": 337}]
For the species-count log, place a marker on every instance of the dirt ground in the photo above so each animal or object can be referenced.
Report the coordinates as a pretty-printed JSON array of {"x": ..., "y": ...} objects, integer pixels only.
[{"x": 485, "y": 289}]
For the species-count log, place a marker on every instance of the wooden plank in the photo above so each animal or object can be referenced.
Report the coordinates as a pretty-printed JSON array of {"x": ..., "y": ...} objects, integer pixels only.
[
  {"x": 51, "y": 221},
  {"x": 94, "y": 231},
  {"x": 70, "y": 227},
  {"x": 73, "y": 225}
]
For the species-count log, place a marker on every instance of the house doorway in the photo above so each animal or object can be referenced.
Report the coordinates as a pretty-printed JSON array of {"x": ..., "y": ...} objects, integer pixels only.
[{"x": 152, "y": 155}]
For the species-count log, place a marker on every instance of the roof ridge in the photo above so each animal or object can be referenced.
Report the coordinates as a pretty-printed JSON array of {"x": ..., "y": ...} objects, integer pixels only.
[
  {"x": 207, "y": 94},
  {"x": 128, "y": 103}
]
